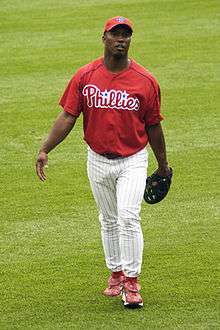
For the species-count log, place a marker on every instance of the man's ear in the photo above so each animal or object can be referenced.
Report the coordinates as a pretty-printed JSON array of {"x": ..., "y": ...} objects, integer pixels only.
[{"x": 103, "y": 37}]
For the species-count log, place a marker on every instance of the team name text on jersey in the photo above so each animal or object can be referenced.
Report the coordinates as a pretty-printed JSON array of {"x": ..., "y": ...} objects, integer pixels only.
[{"x": 113, "y": 99}]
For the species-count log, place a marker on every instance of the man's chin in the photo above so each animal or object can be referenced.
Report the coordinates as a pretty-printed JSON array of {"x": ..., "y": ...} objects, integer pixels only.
[{"x": 119, "y": 55}]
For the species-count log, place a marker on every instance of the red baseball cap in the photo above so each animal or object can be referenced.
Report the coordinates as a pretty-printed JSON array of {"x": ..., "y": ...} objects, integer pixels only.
[{"x": 118, "y": 20}]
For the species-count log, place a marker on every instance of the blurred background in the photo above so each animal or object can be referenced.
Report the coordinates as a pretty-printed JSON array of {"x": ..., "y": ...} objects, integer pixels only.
[{"x": 52, "y": 266}]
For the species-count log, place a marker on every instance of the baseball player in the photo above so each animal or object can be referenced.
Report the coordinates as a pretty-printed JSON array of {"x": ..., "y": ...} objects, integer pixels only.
[{"x": 120, "y": 104}]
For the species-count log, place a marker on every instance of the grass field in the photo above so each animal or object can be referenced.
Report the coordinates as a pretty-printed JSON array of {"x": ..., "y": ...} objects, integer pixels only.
[{"x": 52, "y": 267}]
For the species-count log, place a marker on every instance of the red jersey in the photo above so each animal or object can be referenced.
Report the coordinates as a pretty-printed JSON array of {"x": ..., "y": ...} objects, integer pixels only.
[{"x": 116, "y": 107}]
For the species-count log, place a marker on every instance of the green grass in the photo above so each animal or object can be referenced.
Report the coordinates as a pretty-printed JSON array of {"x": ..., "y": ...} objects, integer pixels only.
[{"x": 52, "y": 270}]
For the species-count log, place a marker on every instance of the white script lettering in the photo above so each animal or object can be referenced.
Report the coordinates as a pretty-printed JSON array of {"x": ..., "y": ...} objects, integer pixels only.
[{"x": 114, "y": 99}]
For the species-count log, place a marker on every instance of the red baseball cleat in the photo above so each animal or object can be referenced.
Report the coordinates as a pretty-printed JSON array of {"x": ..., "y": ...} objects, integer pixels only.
[
  {"x": 115, "y": 284},
  {"x": 131, "y": 293}
]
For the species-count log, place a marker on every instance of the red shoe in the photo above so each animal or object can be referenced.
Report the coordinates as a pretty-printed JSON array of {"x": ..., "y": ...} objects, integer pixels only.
[
  {"x": 131, "y": 293},
  {"x": 115, "y": 284}
]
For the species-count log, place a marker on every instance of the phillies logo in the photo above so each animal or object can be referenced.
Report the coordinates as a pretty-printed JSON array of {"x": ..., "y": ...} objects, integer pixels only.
[
  {"x": 113, "y": 99},
  {"x": 120, "y": 19}
]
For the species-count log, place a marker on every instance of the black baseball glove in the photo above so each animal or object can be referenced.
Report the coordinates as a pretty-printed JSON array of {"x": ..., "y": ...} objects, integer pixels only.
[{"x": 157, "y": 187}]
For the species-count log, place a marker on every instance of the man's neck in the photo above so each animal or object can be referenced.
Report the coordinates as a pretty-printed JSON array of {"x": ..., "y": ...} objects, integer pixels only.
[{"x": 115, "y": 64}]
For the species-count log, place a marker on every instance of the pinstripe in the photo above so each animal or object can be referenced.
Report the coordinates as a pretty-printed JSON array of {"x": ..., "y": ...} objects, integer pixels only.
[
  {"x": 118, "y": 187},
  {"x": 105, "y": 195},
  {"x": 111, "y": 179}
]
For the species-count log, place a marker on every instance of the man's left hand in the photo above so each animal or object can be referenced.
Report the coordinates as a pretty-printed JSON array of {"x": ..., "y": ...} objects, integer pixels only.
[{"x": 163, "y": 171}]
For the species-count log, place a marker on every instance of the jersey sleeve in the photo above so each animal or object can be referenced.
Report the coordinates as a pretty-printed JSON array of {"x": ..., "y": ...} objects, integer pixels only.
[
  {"x": 153, "y": 115},
  {"x": 71, "y": 100}
]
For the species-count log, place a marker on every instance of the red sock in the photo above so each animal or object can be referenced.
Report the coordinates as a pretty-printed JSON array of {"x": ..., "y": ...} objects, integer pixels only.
[
  {"x": 131, "y": 279},
  {"x": 117, "y": 274}
]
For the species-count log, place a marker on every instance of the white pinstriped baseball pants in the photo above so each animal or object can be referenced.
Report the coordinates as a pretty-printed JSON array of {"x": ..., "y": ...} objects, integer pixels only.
[{"x": 118, "y": 187}]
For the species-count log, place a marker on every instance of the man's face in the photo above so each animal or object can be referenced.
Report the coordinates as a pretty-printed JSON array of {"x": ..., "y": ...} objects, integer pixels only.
[{"x": 117, "y": 41}]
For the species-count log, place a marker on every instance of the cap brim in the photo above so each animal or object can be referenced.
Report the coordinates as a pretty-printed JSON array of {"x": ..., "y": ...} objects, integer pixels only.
[{"x": 119, "y": 24}]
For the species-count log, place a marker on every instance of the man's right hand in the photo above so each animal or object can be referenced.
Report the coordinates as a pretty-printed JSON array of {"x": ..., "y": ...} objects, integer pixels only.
[
  {"x": 61, "y": 128},
  {"x": 42, "y": 160}
]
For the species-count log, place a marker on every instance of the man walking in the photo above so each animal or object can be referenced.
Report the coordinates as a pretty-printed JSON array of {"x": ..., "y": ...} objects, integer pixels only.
[{"x": 120, "y": 103}]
